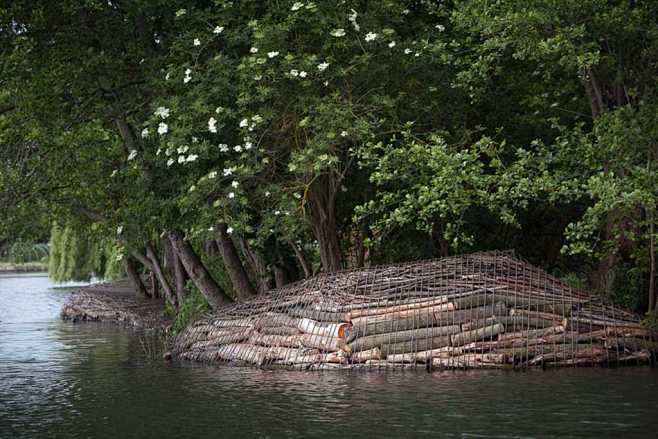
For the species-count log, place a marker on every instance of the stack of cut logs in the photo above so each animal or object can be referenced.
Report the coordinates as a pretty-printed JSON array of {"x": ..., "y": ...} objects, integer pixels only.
[{"x": 477, "y": 311}]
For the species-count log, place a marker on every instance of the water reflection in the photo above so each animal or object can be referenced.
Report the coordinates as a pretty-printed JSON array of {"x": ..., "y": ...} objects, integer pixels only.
[{"x": 63, "y": 380}]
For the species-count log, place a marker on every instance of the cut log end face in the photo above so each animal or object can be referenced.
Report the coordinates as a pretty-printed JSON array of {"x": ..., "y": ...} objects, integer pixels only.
[{"x": 477, "y": 311}]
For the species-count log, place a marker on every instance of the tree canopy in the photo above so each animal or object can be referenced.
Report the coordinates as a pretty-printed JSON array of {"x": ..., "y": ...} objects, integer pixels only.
[{"x": 246, "y": 144}]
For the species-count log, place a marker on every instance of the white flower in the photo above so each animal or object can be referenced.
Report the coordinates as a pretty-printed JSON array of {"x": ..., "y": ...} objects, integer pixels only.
[
  {"x": 212, "y": 125},
  {"x": 247, "y": 146},
  {"x": 181, "y": 159},
  {"x": 323, "y": 66},
  {"x": 340, "y": 32},
  {"x": 260, "y": 60},
  {"x": 192, "y": 188},
  {"x": 197, "y": 42},
  {"x": 192, "y": 158},
  {"x": 181, "y": 12},
  {"x": 182, "y": 149},
  {"x": 235, "y": 183},
  {"x": 277, "y": 212},
  {"x": 244, "y": 122},
  {"x": 223, "y": 147},
  {"x": 237, "y": 148},
  {"x": 294, "y": 72},
  {"x": 352, "y": 18},
  {"x": 370, "y": 36},
  {"x": 195, "y": 139},
  {"x": 163, "y": 128},
  {"x": 119, "y": 257},
  {"x": 405, "y": 12},
  {"x": 440, "y": 27},
  {"x": 188, "y": 77},
  {"x": 145, "y": 133},
  {"x": 119, "y": 230},
  {"x": 296, "y": 6},
  {"x": 229, "y": 230},
  {"x": 407, "y": 51},
  {"x": 157, "y": 40},
  {"x": 297, "y": 195},
  {"x": 253, "y": 50},
  {"x": 231, "y": 195},
  {"x": 302, "y": 74},
  {"x": 162, "y": 112},
  {"x": 114, "y": 173},
  {"x": 257, "y": 118},
  {"x": 258, "y": 77},
  {"x": 158, "y": 151},
  {"x": 218, "y": 30},
  {"x": 212, "y": 175},
  {"x": 267, "y": 193},
  {"x": 391, "y": 44},
  {"x": 170, "y": 162},
  {"x": 344, "y": 134},
  {"x": 167, "y": 76},
  {"x": 325, "y": 83},
  {"x": 272, "y": 54},
  {"x": 219, "y": 110},
  {"x": 132, "y": 154},
  {"x": 227, "y": 172}
]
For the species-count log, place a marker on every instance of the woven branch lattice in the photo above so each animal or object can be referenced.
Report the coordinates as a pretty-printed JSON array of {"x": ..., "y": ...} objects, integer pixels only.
[{"x": 479, "y": 310}]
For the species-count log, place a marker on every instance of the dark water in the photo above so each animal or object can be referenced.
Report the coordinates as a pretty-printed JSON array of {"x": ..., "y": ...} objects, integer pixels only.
[{"x": 63, "y": 380}]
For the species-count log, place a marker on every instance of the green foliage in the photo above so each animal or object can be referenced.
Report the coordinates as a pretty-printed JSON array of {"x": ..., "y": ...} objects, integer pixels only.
[
  {"x": 194, "y": 305},
  {"x": 416, "y": 128}
]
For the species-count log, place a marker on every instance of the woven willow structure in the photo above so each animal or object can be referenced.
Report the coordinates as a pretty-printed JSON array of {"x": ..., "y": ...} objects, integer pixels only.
[{"x": 485, "y": 310}]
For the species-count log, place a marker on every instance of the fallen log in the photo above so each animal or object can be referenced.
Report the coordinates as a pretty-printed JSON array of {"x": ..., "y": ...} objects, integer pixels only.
[
  {"x": 363, "y": 356},
  {"x": 424, "y": 356},
  {"x": 421, "y": 344},
  {"x": 324, "y": 343},
  {"x": 532, "y": 333},
  {"x": 389, "y": 309},
  {"x": 476, "y": 334},
  {"x": 403, "y": 314},
  {"x": 291, "y": 341},
  {"x": 370, "y": 341}
]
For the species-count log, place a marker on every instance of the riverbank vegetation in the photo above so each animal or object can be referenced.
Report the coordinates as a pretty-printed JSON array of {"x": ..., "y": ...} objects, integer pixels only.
[{"x": 242, "y": 145}]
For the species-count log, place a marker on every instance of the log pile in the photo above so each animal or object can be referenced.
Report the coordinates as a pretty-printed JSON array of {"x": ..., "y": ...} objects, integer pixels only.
[
  {"x": 486, "y": 310},
  {"x": 114, "y": 302}
]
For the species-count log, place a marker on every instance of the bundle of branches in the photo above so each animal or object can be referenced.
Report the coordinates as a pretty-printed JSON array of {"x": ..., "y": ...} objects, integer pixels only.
[
  {"x": 114, "y": 302},
  {"x": 480, "y": 310}
]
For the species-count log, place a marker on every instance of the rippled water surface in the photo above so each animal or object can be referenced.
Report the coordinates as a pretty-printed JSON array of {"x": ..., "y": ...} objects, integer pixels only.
[{"x": 58, "y": 379}]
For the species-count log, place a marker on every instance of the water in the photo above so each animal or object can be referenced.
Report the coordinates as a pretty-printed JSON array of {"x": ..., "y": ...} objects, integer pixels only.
[{"x": 59, "y": 379}]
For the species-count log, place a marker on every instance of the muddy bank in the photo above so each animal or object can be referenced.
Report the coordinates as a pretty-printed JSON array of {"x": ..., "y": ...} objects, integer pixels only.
[{"x": 115, "y": 302}]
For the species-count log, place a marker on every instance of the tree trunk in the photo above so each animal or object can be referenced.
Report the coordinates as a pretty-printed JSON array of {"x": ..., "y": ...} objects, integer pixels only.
[
  {"x": 257, "y": 265},
  {"x": 323, "y": 220},
  {"x": 135, "y": 278},
  {"x": 653, "y": 306},
  {"x": 155, "y": 285},
  {"x": 198, "y": 273},
  {"x": 233, "y": 264},
  {"x": 175, "y": 267},
  {"x": 301, "y": 258},
  {"x": 157, "y": 269},
  {"x": 280, "y": 275}
]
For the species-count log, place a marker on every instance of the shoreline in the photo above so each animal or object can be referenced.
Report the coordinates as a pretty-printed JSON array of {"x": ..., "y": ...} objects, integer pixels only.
[{"x": 31, "y": 267}]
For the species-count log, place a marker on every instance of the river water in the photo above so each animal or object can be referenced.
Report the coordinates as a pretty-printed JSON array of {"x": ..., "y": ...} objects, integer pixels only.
[{"x": 59, "y": 379}]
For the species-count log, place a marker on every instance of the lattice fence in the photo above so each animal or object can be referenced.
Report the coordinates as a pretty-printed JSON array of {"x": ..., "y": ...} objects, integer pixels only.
[{"x": 485, "y": 310}]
